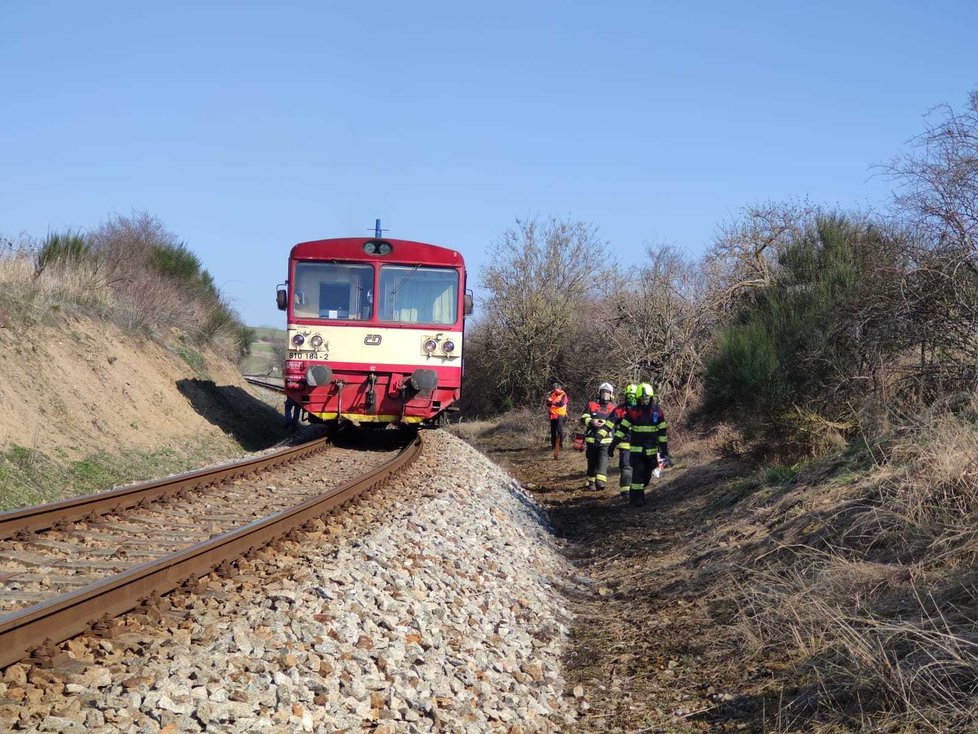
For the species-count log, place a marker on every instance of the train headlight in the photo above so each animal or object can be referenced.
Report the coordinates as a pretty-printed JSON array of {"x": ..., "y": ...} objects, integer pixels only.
[
  {"x": 429, "y": 345},
  {"x": 448, "y": 346},
  {"x": 298, "y": 340},
  {"x": 316, "y": 342}
]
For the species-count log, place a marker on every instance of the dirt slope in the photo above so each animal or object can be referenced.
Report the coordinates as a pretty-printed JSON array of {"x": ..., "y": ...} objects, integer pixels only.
[{"x": 80, "y": 387}]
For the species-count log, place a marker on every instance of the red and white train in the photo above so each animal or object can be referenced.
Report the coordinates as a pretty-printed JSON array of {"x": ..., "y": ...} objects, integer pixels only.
[{"x": 375, "y": 329}]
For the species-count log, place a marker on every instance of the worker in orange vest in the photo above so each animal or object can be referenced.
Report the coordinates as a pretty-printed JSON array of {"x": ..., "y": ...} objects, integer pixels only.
[{"x": 557, "y": 409}]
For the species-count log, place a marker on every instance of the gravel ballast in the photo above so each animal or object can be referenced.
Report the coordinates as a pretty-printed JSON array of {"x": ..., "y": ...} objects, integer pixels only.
[{"x": 431, "y": 605}]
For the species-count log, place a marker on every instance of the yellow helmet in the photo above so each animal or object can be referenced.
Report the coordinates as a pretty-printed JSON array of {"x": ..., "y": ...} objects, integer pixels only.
[
  {"x": 645, "y": 391},
  {"x": 631, "y": 391}
]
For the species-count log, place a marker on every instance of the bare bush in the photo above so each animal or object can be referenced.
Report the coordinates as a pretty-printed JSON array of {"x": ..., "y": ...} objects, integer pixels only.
[
  {"x": 938, "y": 178},
  {"x": 541, "y": 280},
  {"x": 130, "y": 270},
  {"x": 937, "y": 196},
  {"x": 745, "y": 252},
  {"x": 659, "y": 325}
]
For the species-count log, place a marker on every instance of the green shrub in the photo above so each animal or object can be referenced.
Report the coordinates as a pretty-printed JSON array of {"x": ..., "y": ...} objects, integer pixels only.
[
  {"x": 789, "y": 368},
  {"x": 219, "y": 318},
  {"x": 178, "y": 263},
  {"x": 66, "y": 248},
  {"x": 246, "y": 336},
  {"x": 777, "y": 474}
]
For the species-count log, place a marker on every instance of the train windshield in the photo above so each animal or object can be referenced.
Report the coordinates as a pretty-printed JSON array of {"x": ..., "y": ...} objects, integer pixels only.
[
  {"x": 417, "y": 295},
  {"x": 333, "y": 291}
]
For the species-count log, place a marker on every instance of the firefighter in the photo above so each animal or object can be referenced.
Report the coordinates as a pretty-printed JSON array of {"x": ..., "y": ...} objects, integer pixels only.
[
  {"x": 619, "y": 438},
  {"x": 597, "y": 440},
  {"x": 645, "y": 427},
  {"x": 557, "y": 409}
]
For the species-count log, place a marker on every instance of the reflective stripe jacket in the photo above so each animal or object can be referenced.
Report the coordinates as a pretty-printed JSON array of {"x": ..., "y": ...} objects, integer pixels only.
[
  {"x": 644, "y": 427},
  {"x": 613, "y": 420},
  {"x": 597, "y": 412},
  {"x": 557, "y": 403}
]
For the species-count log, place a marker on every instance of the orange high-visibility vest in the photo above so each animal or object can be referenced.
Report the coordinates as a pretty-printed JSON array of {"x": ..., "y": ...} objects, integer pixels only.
[{"x": 557, "y": 403}]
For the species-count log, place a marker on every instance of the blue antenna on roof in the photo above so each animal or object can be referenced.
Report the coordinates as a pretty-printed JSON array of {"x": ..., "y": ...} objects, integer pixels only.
[{"x": 378, "y": 232}]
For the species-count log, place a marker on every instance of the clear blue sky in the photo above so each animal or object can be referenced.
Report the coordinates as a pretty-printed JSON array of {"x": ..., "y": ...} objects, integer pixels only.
[{"x": 246, "y": 127}]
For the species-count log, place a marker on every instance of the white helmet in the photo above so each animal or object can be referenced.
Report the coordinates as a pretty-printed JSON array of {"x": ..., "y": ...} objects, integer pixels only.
[{"x": 606, "y": 386}]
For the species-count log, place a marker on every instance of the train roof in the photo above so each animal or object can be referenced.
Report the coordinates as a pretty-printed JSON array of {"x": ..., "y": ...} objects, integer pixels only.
[{"x": 356, "y": 248}]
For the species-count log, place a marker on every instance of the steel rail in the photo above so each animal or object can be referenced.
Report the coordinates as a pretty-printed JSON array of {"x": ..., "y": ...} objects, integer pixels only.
[
  {"x": 31, "y": 519},
  {"x": 59, "y": 619},
  {"x": 263, "y": 382}
]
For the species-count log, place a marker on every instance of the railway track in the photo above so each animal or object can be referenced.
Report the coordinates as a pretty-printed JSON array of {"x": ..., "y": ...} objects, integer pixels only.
[
  {"x": 67, "y": 566},
  {"x": 269, "y": 383}
]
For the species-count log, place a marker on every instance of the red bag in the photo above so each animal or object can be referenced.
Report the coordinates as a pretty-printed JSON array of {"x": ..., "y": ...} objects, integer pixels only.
[{"x": 578, "y": 441}]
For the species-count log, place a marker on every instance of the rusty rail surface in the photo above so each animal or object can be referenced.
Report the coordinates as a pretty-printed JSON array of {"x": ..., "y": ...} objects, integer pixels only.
[
  {"x": 48, "y": 623},
  {"x": 45, "y": 516}
]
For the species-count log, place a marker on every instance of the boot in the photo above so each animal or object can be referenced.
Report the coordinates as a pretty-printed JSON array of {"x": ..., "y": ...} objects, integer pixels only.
[
  {"x": 556, "y": 451},
  {"x": 633, "y": 497},
  {"x": 623, "y": 496}
]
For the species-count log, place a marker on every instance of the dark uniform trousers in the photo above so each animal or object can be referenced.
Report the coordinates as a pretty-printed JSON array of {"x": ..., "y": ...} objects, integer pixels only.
[
  {"x": 597, "y": 464},
  {"x": 646, "y": 430},
  {"x": 625, "y": 469},
  {"x": 557, "y": 432},
  {"x": 597, "y": 441},
  {"x": 624, "y": 448},
  {"x": 644, "y": 462}
]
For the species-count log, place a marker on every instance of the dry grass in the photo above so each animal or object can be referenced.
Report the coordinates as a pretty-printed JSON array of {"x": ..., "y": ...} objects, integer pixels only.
[
  {"x": 114, "y": 281},
  {"x": 521, "y": 421},
  {"x": 843, "y": 591},
  {"x": 870, "y": 595},
  {"x": 28, "y": 299}
]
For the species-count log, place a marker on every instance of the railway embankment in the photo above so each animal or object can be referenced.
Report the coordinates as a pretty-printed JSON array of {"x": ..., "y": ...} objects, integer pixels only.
[
  {"x": 85, "y": 404},
  {"x": 435, "y": 603}
]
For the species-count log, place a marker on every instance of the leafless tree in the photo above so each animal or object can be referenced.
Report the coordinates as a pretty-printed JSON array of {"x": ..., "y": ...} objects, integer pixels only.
[
  {"x": 540, "y": 279},
  {"x": 744, "y": 252},
  {"x": 937, "y": 195},
  {"x": 658, "y": 324},
  {"x": 938, "y": 177}
]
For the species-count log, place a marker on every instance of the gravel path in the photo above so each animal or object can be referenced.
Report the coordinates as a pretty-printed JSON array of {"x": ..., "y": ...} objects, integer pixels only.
[{"x": 429, "y": 606}]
